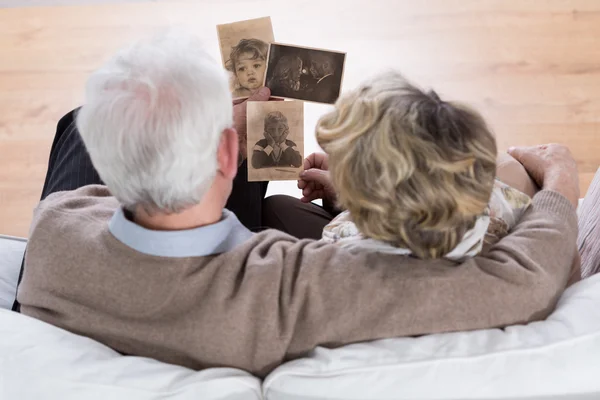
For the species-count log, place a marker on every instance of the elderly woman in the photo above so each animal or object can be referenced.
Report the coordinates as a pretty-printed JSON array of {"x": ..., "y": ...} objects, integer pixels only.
[
  {"x": 132, "y": 245},
  {"x": 416, "y": 175}
]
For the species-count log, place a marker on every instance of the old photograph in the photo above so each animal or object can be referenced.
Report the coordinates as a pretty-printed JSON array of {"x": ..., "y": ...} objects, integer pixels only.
[
  {"x": 275, "y": 140},
  {"x": 244, "y": 50},
  {"x": 304, "y": 73}
]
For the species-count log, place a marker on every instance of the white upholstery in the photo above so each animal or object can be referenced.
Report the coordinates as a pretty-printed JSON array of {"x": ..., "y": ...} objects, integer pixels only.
[
  {"x": 40, "y": 361},
  {"x": 555, "y": 359},
  {"x": 11, "y": 254}
]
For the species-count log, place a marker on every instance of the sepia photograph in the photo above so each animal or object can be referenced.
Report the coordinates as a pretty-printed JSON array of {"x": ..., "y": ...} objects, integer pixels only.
[
  {"x": 304, "y": 73},
  {"x": 275, "y": 140},
  {"x": 244, "y": 49}
]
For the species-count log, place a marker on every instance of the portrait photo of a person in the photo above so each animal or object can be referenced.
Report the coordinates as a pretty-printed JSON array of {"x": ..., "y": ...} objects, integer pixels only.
[
  {"x": 303, "y": 73},
  {"x": 247, "y": 63},
  {"x": 285, "y": 80},
  {"x": 275, "y": 150},
  {"x": 244, "y": 49},
  {"x": 323, "y": 87}
]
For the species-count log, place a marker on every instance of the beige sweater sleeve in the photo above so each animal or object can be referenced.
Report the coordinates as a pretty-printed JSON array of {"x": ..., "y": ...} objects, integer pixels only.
[
  {"x": 330, "y": 296},
  {"x": 274, "y": 297}
]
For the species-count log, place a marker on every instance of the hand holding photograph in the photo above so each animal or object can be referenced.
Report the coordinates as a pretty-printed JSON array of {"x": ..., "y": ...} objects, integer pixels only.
[
  {"x": 304, "y": 73},
  {"x": 275, "y": 140},
  {"x": 244, "y": 47}
]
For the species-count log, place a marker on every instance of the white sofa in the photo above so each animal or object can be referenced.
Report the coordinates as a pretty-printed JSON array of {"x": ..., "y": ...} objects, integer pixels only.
[{"x": 555, "y": 359}]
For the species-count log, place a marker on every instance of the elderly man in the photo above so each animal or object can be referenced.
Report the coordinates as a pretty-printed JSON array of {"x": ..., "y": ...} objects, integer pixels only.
[{"x": 153, "y": 265}]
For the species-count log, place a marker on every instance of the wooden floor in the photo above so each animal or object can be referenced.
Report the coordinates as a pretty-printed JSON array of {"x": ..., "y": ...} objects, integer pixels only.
[{"x": 532, "y": 67}]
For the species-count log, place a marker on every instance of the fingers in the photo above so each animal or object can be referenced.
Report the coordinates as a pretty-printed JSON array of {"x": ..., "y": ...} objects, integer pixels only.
[
  {"x": 316, "y": 160},
  {"x": 313, "y": 196},
  {"x": 530, "y": 158},
  {"x": 315, "y": 175},
  {"x": 320, "y": 161},
  {"x": 270, "y": 140},
  {"x": 303, "y": 183},
  {"x": 261, "y": 94},
  {"x": 307, "y": 186},
  {"x": 518, "y": 153},
  {"x": 311, "y": 187},
  {"x": 315, "y": 184},
  {"x": 239, "y": 101},
  {"x": 307, "y": 163},
  {"x": 548, "y": 164},
  {"x": 528, "y": 152}
]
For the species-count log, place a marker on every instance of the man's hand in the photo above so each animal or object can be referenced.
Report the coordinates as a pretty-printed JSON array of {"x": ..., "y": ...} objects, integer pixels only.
[
  {"x": 552, "y": 167},
  {"x": 314, "y": 181},
  {"x": 239, "y": 118}
]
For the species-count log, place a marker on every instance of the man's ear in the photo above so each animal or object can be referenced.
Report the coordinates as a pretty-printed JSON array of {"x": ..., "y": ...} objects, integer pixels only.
[{"x": 227, "y": 154}]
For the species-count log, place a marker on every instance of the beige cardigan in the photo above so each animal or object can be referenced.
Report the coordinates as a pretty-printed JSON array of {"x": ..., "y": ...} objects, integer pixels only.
[{"x": 273, "y": 297}]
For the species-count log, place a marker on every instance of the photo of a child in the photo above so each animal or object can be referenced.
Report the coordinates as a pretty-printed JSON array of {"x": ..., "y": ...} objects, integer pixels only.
[
  {"x": 244, "y": 50},
  {"x": 275, "y": 140},
  {"x": 247, "y": 63},
  {"x": 275, "y": 150}
]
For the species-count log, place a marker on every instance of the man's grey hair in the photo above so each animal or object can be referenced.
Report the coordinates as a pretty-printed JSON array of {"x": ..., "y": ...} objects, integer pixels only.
[{"x": 153, "y": 120}]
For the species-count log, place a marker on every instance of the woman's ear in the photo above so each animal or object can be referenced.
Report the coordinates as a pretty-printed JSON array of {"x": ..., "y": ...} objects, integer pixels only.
[{"x": 227, "y": 154}]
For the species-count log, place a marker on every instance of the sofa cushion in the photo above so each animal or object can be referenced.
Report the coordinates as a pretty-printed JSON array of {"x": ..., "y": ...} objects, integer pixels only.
[
  {"x": 40, "y": 361},
  {"x": 11, "y": 255},
  {"x": 554, "y": 359}
]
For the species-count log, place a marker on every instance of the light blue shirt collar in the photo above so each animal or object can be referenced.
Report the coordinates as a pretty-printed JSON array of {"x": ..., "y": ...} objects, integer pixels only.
[{"x": 204, "y": 241}]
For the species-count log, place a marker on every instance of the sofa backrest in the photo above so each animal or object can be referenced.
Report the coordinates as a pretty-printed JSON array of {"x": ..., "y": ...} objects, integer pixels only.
[
  {"x": 11, "y": 254},
  {"x": 554, "y": 359},
  {"x": 41, "y": 361}
]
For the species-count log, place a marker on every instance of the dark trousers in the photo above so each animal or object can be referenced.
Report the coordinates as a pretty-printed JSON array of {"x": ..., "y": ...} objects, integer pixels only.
[{"x": 70, "y": 168}]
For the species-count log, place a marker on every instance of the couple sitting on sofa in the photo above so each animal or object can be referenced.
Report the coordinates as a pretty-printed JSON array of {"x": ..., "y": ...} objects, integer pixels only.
[{"x": 149, "y": 238}]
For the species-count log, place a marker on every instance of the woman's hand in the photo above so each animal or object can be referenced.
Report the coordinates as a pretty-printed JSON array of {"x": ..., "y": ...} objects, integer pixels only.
[
  {"x": 314, "y": 181},
  {"x": 552, "y": 167}
]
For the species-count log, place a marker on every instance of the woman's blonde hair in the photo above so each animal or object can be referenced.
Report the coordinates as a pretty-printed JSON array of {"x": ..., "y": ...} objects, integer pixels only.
[{"x": 411, "y": 169}]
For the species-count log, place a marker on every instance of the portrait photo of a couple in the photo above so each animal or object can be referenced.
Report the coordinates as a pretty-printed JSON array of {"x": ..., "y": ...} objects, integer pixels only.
[{"x": 305, "y": 74}]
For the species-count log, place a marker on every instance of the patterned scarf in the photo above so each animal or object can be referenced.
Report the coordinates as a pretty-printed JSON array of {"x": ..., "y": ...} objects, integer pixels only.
[{"x": 506, "y": 207}]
